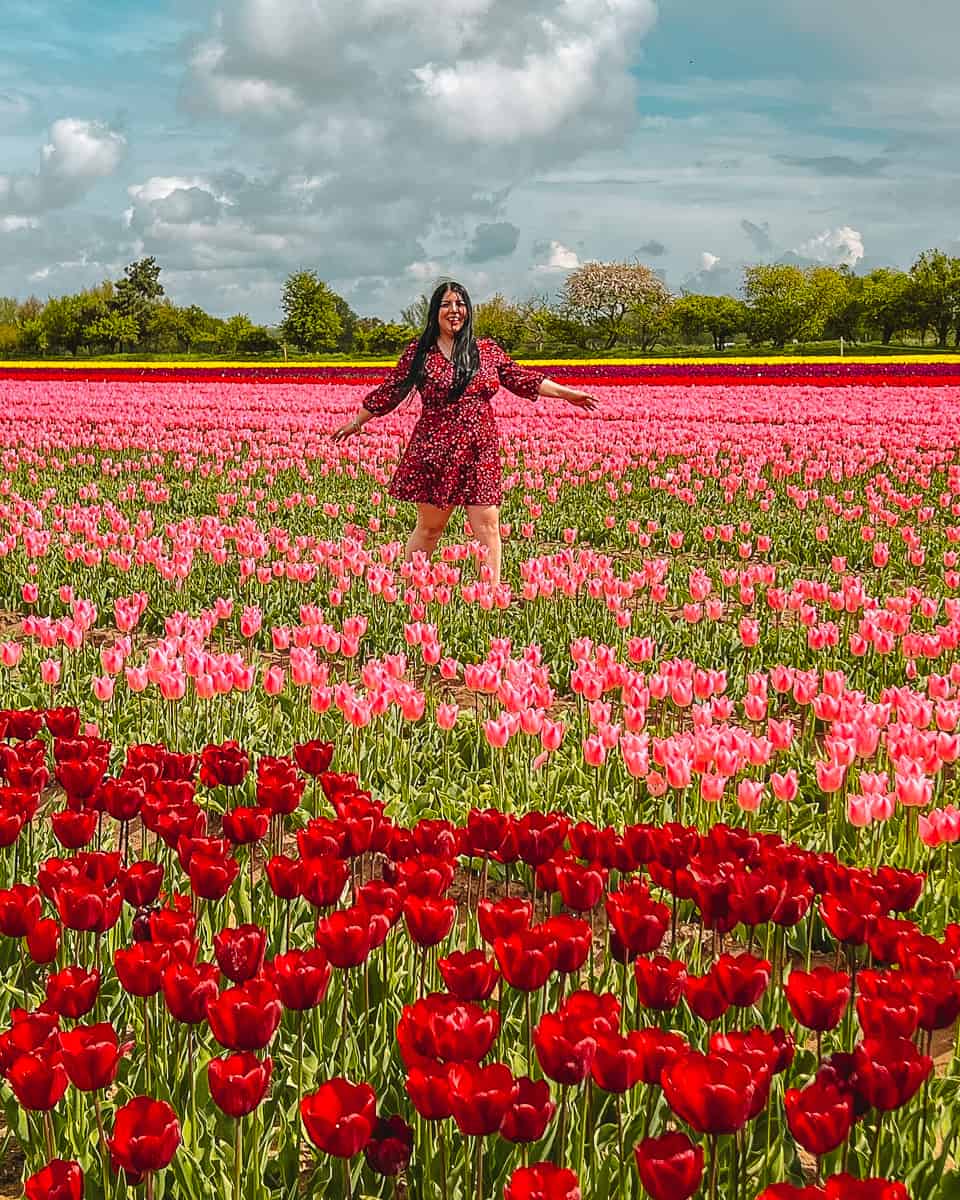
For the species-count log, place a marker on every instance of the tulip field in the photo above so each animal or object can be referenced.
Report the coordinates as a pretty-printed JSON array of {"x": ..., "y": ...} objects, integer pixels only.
[{"x": 328, "y": 874}]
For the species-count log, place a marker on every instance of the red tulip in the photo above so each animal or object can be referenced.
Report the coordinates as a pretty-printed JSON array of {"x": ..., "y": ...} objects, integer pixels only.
[
  {"x": 670, "y": 1166},
  {"x": 565, "y": 1050},
  {"x": 469, "y": 975},
  {"x": 889, "y": 1071},
  {"x": 820, "y": 1116},
  {"x": 542, "y": 1181},
  {"x": 526, "y": 959},
  {"x": 188, "y": 989},
  {"x": 225, "y": 765},
  {"x": 503, "y": 918},
  {"x": 572, "y": 937},
  {"x": 659, "y": 982},
  {"x": 140, "y": 967},
  {"x": 428, "y": 919},
  {"x": 146, "y": 1134},
  {"x": 72, "y": 992},
  {"x": 59, "y": 1180},
  {"x": 245, "y": 1017},
  {"x": 91, "y": 1055},
  {"x": 301, "y": 977},
  {"x": 480, "y": 1097},
  {"x": 390, "y": 1147},
  {"x": 313, "y": 758},
  {"x": 279, "y": 787},
  {"x": 712, "y": 1093},
  {"x": 43, "y": 940},
  {"x": 742, "y": 978},
  {"x": 704, "y": 997},
  {"x": 618, "y": 1063},
  {"x": 239, "y": 951},
  {"x": 428, "y": 1087},
  {"x": 819, "y": 997},
  {"x": 348, "y": 935},
  {"x": 530, "y": 1111},
  {"x": 140, "y": 883},
  {"x": 238, "y": 1082},
  {"x": 38, "y": 1079},
  {"x": 243, "y": 825},
  {"x": 340, "y": 1116},
  {"x": 19, "y": 909},
  {"x": 321, "y": 880}
]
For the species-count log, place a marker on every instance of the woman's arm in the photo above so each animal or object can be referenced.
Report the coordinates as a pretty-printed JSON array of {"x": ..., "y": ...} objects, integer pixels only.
[
  {"x": 572, "y": 396},
  {"x": 382, "y": 399}
]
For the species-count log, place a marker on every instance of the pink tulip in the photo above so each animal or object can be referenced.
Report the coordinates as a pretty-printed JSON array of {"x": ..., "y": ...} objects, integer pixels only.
[{"x": 50, "y": 671}]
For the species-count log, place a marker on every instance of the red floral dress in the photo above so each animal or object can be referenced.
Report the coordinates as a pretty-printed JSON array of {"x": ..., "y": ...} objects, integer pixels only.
[{"x": 453, "y": 456}]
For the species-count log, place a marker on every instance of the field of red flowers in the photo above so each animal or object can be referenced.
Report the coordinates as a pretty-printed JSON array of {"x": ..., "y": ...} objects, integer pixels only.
[{"x": 326, "y": 874}]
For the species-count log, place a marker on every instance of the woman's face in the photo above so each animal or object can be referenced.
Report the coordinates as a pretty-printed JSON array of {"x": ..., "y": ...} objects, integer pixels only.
[{"x": 453, "y": 313}]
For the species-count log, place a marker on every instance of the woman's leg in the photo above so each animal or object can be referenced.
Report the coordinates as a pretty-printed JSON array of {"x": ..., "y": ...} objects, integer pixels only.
[
  {"x": 485, "y": 523},
  {"x": 431, "y": 522}
]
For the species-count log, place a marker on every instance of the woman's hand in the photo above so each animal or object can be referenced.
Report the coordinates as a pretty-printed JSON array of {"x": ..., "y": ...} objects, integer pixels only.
[
  {"x": 582, "y": 400},
  {"x": 348, "y": 430}
]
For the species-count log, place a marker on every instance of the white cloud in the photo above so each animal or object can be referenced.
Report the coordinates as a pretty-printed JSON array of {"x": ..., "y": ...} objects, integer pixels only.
[
  {"x": 83, "y": 149},
  {"x": 560, "y": 258},
  {"x": 15, "y": 224},
  {"x": 841, "y": 246},
  {"x": 424, "y": 269},
  {"x": 708, "y": 261},
  {"x": 77, "y": 155}
]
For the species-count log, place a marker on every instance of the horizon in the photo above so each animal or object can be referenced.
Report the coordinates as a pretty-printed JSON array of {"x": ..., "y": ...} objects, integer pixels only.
[{"x": 695, "y": 141}]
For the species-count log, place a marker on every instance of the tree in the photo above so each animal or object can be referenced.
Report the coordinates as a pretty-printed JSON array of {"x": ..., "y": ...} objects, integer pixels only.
[
  {"x": 239, "y": 335},
  {"x": 719, "y": 316},
  {"x": 497, "y": 318},
  {"x": 310, "y": 317},
  {"x": 536, "y": 315},
  {"x": 415, "y": 314},
  {"x": 935, "y": 278},
  {"x": 789, "y": 302},
  {"x": 348, "y": 321},
  {"x": 382, "y": 337},
  {"x": 601, "y": 294},
  {"x": 845, "y": 318},
  {"x": 63, "y": 322},
  {"x": 887, "y": 302},
  {"x": 649, "y": 321},
  {"x": 115, "y": 329},
  {"x": 8, "y": 310},
  {"x": 139, "y": 290}
]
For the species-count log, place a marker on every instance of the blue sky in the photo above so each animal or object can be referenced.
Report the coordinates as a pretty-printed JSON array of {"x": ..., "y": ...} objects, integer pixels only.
[{"x": 386, "y": 143}]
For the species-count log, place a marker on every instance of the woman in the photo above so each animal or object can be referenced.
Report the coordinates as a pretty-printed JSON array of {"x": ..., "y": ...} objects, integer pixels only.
[{"x": 453, "y": 456}]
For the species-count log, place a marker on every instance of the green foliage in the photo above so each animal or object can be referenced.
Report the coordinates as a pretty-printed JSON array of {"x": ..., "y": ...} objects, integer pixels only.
[
  {"x": 379, "y": 337},
  {"x": 239, "y": 335},
  {"x": 113, "y": 328},
  {"x": 886, "y": 300},
  {"x": 139, "y": 289},
  {"x": 497, "y": 318},
  {"x": 311, "y": 319},
  {"x": 721, "y": 317},
  {"x": 415, "y": 314},
  {"x": 935, "y": 278},
  {"x": 787, "y": 302}
]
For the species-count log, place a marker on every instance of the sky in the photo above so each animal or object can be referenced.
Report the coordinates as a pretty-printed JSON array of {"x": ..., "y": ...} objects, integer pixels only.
[{"x": 387, "y": 144}]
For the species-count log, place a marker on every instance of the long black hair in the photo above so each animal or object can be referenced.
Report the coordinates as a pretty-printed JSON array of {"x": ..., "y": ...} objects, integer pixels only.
[{"x": 465, "y": 357}]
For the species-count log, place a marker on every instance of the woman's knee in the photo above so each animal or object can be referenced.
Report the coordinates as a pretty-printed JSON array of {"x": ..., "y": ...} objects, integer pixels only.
[
  {"x": 431, "y": 525},
  {"x": 486, "y": 527}
]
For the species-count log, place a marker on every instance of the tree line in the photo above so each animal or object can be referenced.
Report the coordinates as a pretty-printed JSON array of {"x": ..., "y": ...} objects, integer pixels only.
[{"x": 601, "y": 307}]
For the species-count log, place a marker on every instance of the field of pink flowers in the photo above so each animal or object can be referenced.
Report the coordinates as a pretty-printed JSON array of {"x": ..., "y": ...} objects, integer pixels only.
[{"x": 324, "y": 873}]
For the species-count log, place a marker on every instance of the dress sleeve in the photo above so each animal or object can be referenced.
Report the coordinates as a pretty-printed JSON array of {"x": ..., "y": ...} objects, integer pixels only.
[
  {"x": 387, "y": 395},
  {"x": 522, "y": 381}
]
